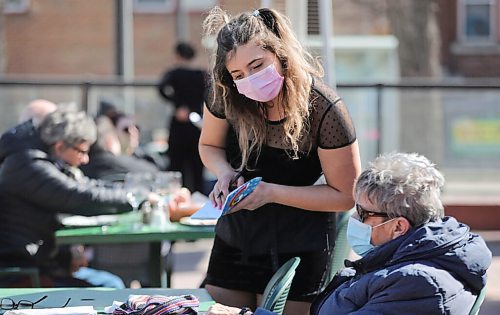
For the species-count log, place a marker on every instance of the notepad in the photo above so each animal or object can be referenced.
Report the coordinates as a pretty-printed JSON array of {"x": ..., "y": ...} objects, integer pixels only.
[{"x": 208, "y": 211}]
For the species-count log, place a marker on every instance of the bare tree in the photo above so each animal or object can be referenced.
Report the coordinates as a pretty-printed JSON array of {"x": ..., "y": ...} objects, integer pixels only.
[{"x": 414, "y": 24}]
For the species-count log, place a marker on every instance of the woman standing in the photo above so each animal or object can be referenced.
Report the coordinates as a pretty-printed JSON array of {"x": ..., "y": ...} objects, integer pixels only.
[
  {"x": 271, "y": 116},
  {"x": 185, "y": 86}
]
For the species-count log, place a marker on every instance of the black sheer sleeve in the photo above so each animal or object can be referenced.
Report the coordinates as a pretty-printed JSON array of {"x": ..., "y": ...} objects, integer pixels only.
[
  {"x": 330, "y": 121},
  {"x": 215, "y": 109},
  {"x": 336, "y": 129}
]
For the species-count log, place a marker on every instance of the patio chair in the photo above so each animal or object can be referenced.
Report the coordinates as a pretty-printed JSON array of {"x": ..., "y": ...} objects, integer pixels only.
[
  {"x": 478, "y": 302},
  {"x": 276, "y": 291}
]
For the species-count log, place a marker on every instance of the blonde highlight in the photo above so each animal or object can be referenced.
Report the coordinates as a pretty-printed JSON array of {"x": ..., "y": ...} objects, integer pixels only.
[{"x": 273, "y": 32}]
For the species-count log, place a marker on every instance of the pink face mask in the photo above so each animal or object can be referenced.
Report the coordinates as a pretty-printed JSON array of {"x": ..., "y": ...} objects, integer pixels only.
[{"x": 262, "y": 86}]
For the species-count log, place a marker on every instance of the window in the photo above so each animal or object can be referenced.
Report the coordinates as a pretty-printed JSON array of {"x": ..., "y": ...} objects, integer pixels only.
[
  {"x": 477, "y": 21},
  {"x": 16, "y": 6},
  {"x": 197, "y": 5},
  {"x": 312, "y": 17},
  {"x": 154, "y": 6}
]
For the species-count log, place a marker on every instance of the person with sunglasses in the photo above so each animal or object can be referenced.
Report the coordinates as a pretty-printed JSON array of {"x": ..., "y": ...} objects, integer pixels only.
[{"x": 414, "y": 259}]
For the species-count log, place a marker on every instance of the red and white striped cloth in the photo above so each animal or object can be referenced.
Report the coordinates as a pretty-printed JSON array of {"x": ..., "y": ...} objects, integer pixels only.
[{"x": 158, "y": 305}]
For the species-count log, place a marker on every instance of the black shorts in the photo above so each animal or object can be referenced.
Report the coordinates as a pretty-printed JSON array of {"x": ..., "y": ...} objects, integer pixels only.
[{"x": 230, "y": 270}]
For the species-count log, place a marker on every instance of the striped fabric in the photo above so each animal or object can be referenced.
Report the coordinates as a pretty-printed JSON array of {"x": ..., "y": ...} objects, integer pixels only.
[{"x": 158, "y": 305}]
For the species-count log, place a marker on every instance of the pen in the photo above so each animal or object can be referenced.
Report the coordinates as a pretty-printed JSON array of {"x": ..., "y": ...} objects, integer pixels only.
[{"x": 232, "y": 182}]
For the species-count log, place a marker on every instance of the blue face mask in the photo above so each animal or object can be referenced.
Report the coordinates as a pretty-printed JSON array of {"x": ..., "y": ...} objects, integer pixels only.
[{"x": 359, "y": 235}]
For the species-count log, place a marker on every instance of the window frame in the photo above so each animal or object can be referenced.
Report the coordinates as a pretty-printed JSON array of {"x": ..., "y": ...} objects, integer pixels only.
[
  {"x": 462, "y": 20},
  {"x": 22, "y": 6},
  {"x": 167, "y": 6}
]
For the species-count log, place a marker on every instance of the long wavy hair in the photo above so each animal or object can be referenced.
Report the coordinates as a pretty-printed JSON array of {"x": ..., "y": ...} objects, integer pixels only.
[{"x": 272, "y": 31}]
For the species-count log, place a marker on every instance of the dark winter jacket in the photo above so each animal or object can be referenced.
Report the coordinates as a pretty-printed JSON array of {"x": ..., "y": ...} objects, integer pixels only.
[
  {"x": 22, "y": 137},
  {"x": 438, "y": 268},
  {"x": 33, "y": 189},
  {"x": 104, "y": 164}
]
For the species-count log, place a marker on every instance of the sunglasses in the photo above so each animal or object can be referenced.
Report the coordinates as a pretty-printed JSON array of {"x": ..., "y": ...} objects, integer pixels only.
[
  {"x": 363, "y": 213},
  {"x": 10, "y": 304}
]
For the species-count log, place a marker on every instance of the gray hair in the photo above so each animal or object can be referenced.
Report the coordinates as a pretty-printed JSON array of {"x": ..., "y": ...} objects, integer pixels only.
[
  {"x": 69, "y": 126},
  {"x": 403, "y": 185}
]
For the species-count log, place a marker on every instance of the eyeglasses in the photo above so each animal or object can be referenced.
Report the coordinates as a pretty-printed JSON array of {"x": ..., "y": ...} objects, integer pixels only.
[
  {"x": 128, "y": 129},
  {"x": 10, "y": 304},
  {"x": 80, "y": 151},
  {"x": 363, "y": 213}
]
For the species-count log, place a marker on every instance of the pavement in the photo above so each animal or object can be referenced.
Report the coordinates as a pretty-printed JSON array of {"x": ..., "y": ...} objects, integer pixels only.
[
  {"x": 191, "y": 260},
  {"x": 491, "y": 305}
]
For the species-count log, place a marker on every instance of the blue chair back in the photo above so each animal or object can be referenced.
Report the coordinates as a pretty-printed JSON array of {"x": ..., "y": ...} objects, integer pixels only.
[{"x": 276, "y": 291}]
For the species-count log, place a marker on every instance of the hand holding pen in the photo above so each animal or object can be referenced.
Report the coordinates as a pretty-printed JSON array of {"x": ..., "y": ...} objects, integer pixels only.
[{"x": 224, "y": 185}]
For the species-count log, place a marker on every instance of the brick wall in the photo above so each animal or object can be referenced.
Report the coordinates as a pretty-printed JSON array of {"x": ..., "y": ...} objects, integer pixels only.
[
  {"x": 77, "y": 37},
  {"x": 61, "y": 37}
]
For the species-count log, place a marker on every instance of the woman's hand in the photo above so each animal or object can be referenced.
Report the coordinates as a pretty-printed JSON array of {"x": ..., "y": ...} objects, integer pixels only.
[
  {"x": 261, "y": 195},
  {"x": 219, "y": 309},
  {"x": 222, "y": 187}
]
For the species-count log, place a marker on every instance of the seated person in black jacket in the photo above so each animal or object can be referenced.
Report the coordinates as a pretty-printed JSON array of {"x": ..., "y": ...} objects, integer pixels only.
[
  {"x": 23, "y": 135},
  {"x": 37, "y": 183},
  {"x": 106, "y": 159},
  {"x": 129, "y": 136},
  {"x": 36, "y": 111}
]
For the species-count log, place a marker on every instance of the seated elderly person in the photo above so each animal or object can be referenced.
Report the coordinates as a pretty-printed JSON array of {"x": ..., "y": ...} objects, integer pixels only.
[
  {"x": 106, "y": 160},
  {"x": 23, "y": 136},
  {"x": 414, "y": 259},
  {"x": 39, "y": 182}
]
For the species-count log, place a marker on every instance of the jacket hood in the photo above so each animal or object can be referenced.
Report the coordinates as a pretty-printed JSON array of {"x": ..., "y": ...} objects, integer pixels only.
[
  {"x": 446, "y": 243},
  {"x": 20, "y": 138}
]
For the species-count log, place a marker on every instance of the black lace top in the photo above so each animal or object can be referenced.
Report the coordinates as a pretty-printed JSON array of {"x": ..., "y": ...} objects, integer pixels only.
[{"x": 275, "y": 227}]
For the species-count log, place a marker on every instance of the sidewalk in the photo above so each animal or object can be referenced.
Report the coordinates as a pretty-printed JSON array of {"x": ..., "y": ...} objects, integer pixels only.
[
  {"x": 491, "y": 305},
  {"x": 191, "y": 261}
]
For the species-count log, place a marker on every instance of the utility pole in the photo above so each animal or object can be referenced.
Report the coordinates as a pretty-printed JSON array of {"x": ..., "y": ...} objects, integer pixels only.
[{"x": 326, "y": 29}]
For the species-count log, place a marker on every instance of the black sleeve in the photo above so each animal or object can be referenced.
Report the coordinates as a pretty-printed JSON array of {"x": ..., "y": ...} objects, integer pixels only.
[
  {"x": 213, "y": 107},
  {"x": 208, "y": 92},
  {"x": 165, "y": 85},
  {"x": 44, "y": 184},
  {"x": 336, "y": 129}
]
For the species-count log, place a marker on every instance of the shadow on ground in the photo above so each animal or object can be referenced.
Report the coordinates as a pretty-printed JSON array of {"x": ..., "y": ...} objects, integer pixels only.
[{"x": 188, "y": 261}]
